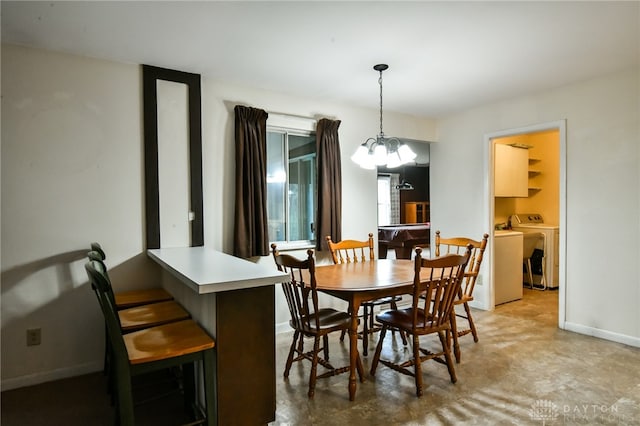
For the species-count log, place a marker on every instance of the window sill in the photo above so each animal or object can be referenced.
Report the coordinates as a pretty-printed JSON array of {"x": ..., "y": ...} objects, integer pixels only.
[{"x": 293, "y": 246}]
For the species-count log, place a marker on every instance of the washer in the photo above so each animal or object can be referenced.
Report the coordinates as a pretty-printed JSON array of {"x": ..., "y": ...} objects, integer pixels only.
[{"x": 533, "y": 222}]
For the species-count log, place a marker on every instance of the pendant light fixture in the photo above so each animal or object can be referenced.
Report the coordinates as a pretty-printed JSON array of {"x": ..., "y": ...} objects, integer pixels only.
[{"x": 382, "y": 151}]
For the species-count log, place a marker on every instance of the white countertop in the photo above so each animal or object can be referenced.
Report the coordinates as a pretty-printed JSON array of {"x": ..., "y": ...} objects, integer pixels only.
[{"x": 206, "y": 270}]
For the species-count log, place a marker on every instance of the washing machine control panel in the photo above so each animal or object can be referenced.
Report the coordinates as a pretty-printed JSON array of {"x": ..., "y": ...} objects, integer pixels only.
[{"x": 523, "y": 218}]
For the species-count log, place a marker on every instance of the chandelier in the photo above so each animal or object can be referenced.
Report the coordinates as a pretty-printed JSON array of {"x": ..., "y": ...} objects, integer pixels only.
[{"x": 382, "y": 151}]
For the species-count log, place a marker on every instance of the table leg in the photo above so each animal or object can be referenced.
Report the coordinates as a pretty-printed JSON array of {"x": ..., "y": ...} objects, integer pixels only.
[
  {"x": 353, "y": 350},
  {"x": 403, "y": 252},
  {"x": 382, "y": 249}
]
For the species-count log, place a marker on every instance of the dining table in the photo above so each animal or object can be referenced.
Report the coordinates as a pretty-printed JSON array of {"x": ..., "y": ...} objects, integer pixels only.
[{"x": 360, "y": 282}]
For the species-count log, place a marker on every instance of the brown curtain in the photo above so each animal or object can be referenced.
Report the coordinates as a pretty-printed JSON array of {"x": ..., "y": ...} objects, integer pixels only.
[
  {"x": 251, "y": 232},
  {"x": 329, "y": 217}
]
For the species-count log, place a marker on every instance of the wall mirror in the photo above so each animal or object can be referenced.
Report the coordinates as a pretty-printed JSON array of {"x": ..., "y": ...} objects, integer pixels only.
[
  {"x": 403, "y": 192},
  {"x": 173, "y": 158}
]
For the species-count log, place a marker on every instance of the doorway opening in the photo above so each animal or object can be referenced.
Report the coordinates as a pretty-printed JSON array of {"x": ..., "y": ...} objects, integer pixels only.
[{"x": 533, "y": 202}]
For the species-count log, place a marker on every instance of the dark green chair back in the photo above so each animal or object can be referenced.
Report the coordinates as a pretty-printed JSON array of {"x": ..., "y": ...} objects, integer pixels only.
[
  {"x": 98, "y": 249},
  {"x": 100, "y": 283},
  {"x": 95, "y": 256}
]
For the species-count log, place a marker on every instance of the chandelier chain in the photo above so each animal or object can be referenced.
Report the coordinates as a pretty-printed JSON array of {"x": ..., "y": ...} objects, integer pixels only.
[{"x": 380, "y": 83}]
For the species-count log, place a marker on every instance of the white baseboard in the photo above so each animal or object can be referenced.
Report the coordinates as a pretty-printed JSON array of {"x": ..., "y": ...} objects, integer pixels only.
[
  {"x": 283, "y": 327},
  {"x": 48, "y": 376},
  {"x": 603, "y": 334}
]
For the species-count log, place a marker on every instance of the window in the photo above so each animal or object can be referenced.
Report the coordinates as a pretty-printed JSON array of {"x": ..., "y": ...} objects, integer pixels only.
[
  {"x": 291, "y": 185},
  {"x": 384, "y": 200}
]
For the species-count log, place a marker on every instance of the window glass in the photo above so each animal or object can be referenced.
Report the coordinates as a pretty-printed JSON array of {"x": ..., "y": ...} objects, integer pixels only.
[
  {"x": 276, "y": 182},
  {"x": 291, "y": 190},
  {"x": 384, "y": 200}
]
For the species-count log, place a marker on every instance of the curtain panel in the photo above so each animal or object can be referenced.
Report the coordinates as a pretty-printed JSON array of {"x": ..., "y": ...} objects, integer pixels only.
[
  {"x": 329, "y": 216},
  {"x": 251, "y": 232}
]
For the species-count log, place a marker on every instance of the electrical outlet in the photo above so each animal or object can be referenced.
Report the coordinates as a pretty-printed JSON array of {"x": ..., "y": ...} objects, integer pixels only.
[{"x": 33, "y": 336}]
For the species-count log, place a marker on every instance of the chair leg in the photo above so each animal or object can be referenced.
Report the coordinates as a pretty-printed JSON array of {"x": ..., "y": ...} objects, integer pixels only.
[
  {"x": 394, "y": 306},
  {"x": 529, "y": 273},
  {"x": 301, "y": 344},
  {"x": 360, "y": 369},
  {"x": 125, "y": 398},
  {"x": 472, "y": 326},
  {"x": 454, "y": 334},
  {"x": 447, "y": 356},
  {"x": 404, "y": 338},
  {"x": 417, "y": 368},
  {"x": 376, "y": 355},
  {"x": 189, "y": 389},
  {"x": 365, "y": 331},
  {"x": 314, "y": 367},
  {"x": 292, "y": 350},
  {"x": 325, "y": 347},
  {"x": 371, "y": 319},
  {"x": 210, "y": 393}
]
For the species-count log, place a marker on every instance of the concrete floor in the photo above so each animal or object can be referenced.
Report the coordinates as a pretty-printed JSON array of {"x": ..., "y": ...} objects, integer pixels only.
[{"x": 523, "y": 371}]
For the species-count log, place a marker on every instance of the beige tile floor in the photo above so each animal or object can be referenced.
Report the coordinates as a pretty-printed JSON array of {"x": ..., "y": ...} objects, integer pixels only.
[{"x": 523, "y": 371}]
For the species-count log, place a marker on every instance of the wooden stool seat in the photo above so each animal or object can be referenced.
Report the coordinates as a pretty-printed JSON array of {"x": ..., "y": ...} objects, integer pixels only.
[
  {"x": 129, "y": 299},
  {"x": 146, "y": 316},
  {"x": 166, "y": 341}
]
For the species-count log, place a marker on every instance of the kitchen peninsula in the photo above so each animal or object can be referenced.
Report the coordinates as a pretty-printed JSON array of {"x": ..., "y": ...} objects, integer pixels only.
[{"x": 233, "y": 299}]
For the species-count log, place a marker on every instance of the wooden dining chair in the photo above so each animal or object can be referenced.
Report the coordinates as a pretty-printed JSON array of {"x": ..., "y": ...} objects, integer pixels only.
[
  {"x": 458, "y": 245},
  {"x": 131, "y": 298},
  {"x": 307, "y": 319},
  {"x": 439, "y": 280},
  {"x": 354, "y": 251},
  {"x": 178, "y": 344}
]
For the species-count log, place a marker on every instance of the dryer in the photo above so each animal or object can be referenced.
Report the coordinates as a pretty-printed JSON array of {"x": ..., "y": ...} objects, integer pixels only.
[{"x": 533, "y": 222}]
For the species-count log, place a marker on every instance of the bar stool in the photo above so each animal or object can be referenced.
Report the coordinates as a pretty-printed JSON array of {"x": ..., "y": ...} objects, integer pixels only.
[
  {"x": 181, "y": 343},
  {"x": 129, "y": 299}
]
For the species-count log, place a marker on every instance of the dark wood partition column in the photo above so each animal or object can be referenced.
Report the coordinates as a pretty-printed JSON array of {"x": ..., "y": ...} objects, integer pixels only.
[
  {"x": 150, "y": 75},
  {"x": 246, "y": 356}
]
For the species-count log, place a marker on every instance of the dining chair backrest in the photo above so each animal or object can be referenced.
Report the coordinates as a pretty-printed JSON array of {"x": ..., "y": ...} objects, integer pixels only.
[
  {"x": 435, "y": 287},
  {"x": 297, "y": 289},
  {"x": 458, "y": 245},
  {"x": 348, "y": 251}
]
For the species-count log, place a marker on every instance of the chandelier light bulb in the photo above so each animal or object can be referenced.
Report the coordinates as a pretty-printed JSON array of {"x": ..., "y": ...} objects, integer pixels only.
[{"x": 406, "y": 154}]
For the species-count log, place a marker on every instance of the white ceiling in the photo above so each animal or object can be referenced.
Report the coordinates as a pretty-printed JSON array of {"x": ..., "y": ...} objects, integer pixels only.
[{"x": 443, "y": 56}]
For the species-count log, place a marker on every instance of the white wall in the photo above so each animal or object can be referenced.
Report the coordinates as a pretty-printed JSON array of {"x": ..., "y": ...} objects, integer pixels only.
[
  {"x": 72, "y": 173},
  {"x": 602, "y": 196}
]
